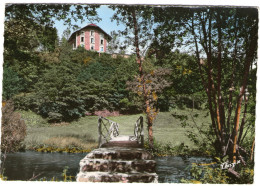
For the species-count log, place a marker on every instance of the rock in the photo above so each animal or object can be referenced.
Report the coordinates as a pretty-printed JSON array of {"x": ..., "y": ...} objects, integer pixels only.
[
  {"x": 117, "y": 177},
  {"x": 120, "y": 153}
]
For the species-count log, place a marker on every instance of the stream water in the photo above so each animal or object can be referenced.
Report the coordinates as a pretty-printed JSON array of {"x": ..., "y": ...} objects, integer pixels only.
[{"x": 25, "y": 165}]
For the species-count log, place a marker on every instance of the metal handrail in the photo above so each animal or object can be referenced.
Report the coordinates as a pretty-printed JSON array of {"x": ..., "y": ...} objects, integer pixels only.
[
  {"x": 139, "y": 131},
  {"x": 107, "y": 130}
]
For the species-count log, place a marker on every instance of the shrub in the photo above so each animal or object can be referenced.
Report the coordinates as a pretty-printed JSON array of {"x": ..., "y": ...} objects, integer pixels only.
[
  {"x": 27, "y": 101},
  {"x": 13, "y": 129},
  {"x": 65, "y": 110}
]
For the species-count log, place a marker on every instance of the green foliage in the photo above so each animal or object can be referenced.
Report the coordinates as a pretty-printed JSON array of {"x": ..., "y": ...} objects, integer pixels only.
[
  {"x": 246, "y": 175},
  {"x": 48, "y": 38},
  {"x": 44, "y": 14},
  {"x": 74, "y": 81},
  {"x": 186, "y": 88},
  {"x": 26, "y": 65},
  {"x": 96, "y": 71},
  {"x": 27, "y": 101},
  {"x": 132, "y": 107},
  {"x": 167, "y": 149},
  {"x": 213, "y": 174},
  {"x": 12, "y": 83},
  {"x": 104, "y": 81},
  {"x": 60, "y": 94},
  {"x": 206, "y": 174},
  {"x": 205, "y": 140}
]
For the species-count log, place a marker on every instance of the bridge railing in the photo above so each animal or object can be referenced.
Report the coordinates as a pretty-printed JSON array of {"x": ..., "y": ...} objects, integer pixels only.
[
  {"x": 107, "y": 130},
  {"x": 139, "y": 131}
]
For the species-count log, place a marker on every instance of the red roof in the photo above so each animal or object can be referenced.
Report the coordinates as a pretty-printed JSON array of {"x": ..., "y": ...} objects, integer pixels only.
[{"x": 91, "y": 25}]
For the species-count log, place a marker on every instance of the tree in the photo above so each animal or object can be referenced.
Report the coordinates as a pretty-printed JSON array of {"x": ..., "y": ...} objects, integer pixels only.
[
  {"x": 148, "y": 87},
  {"x": 60, "y": 94},
  {"x": 48, "y": 39},
  {"x": 137, "y": 22},
  {"x": 186, "y": 88},
  {"x": 217, "y": 51},
  {"x": 12, "y": 83},
  {"x": 115, "y": 45},
  {"x": 224, "y": 41}
]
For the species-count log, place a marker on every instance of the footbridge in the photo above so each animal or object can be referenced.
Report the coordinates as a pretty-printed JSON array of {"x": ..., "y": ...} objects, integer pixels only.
[{"x": 119, "y": 158}]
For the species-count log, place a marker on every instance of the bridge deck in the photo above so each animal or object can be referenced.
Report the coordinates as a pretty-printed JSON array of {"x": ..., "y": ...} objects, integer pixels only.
[{"x": 122, "y": 141}]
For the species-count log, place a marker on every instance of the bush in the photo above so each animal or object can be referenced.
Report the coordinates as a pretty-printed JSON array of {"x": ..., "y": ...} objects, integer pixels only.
[
  {"x": 27, "y": 101},
  {"x": 13, "y": 129},
  {"x": 65, "y": 110}
]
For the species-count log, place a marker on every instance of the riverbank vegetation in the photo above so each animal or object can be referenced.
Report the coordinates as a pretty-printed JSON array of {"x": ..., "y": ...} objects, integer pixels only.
[{"x": 192, "y": 75}]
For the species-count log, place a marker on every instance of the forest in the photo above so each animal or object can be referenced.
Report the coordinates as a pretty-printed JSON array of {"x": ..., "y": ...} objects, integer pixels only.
[{"x": 186, "y": 58}]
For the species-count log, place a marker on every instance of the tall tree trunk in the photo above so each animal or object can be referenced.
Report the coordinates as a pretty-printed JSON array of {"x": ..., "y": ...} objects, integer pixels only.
[
  {"x": 220, "y": 99},
  {"x": 141, "y": 75},
  {"x": 231, "y": 87},
  {"x": 199, "y": 62},
  {"x": 249, "y": 59},
  {"x": 211, "y": 88},
  {"x": 252, "y": 150},
  {"x": 241, "y": 131}
]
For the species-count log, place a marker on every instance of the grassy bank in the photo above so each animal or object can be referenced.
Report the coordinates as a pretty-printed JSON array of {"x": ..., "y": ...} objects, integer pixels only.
[{"x": 82, "y": 135}]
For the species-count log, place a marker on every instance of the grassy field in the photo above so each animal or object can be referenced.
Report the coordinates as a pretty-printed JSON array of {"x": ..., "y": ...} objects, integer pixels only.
[{"x": 83, "y": 134}]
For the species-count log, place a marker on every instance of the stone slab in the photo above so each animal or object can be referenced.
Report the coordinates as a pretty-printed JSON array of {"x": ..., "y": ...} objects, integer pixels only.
[
  {"x": 120, "y": 153},
  {"x": 117, "y": 177},
  {"x": 101, "y": 165}
]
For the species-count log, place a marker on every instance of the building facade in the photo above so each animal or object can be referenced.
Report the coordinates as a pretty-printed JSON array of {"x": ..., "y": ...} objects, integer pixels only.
[{"x": 91, "y": 37}]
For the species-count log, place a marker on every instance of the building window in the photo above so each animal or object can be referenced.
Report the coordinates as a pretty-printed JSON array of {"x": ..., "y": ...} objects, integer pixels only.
[
  {"x": 92, "y": 40},
  {"x": 102, "y": 41},
  {"x": 92, "y": 33},
  {"x": 82, "y": 37},
  {"x": 92, "y": 47}
]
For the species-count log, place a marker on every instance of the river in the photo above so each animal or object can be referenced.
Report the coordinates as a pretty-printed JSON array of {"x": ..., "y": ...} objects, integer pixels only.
[{"x": 25, "y": 165}]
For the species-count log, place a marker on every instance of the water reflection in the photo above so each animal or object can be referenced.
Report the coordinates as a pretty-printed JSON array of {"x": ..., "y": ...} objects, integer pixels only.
[
  {"x": 172, "y": 169},
  {"x": 25, "y": 165}
]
